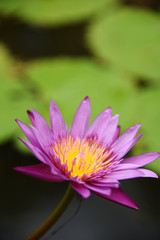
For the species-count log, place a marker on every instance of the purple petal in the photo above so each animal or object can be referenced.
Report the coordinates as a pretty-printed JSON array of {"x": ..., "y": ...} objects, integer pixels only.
[
  {"x": 43, "y": 128},
  {"x": 81, "y": 189},
  {"x": 131, "y": 144},
  {"x": 107, "y": 180},
  {"x": 41, "y": 171},
  {"x": 81, "y": 119},
  {"x": 116, "y": 134},
  {"x": 103, "y": 184},
  {"x": 100, "y": 123},
  {"x": 126, "y": 137},
  {"x": 124, "y": 166},
  {"x": 29, "y": 134},
  {"x": 126, "y": 174},
  {"x": 111, "y": 129},
  {"x": 148, "y": 173},
  {"x": 57, "y": 123},
  {"x": 42, "y": 156},
  {"x": 98, "y": 189},
  {"x": 143, "y": 159},
  {"x": 40, "y": 139},
  {"x": 36, "y": 151},
  {"x": 121, "y": 151},
  {"x": 131, "y": 173},
  {"x": 44, "y": 143},
  {"x": 119, "y": 196},
  {"x": 31, "y": 116}
]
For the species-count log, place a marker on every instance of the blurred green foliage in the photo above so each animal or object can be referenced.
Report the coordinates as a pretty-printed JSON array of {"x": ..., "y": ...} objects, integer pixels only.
[
  {"x": 122, "y": 69},
  {"x": 53, "y": 12},
  {"x": 129, "y": 38},
  {"x": 15, "y": 97}
]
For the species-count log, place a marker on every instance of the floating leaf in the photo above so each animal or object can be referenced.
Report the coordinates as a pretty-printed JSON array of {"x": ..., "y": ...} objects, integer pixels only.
[
  {"x": 5, "y": 61},
  {"x": 14, "y": 98},
  {"x": 129, "y": 38},
  {"x": 68, "y": 81},
  {"x": 148, "y": 113},
  {"x": 53, "y": 11}
]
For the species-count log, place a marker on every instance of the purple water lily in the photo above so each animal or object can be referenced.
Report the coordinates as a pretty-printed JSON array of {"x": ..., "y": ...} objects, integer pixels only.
[{"x": 91, "y": 158}]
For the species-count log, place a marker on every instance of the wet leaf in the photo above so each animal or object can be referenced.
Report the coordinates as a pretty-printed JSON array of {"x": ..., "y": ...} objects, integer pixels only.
[
  {"x": 148, "y": 113},
  {"x": 53, "y": 11},
  {"x": 15, "y": 98},
  {"x": 67, "y": 81},
  {"x": 129, "y": 38}
]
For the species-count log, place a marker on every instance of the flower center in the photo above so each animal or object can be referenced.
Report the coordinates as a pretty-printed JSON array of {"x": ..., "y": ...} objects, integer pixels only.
[{"x": 86, "y": 159}]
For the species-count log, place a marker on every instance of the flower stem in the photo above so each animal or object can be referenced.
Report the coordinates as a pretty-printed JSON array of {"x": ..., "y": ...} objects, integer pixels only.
[{"x": 42, "y": 229}]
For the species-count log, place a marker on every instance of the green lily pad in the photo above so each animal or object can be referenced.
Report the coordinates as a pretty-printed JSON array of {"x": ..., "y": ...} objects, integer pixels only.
[
  {"x": 15, "y": 99},
  {"x": 5, "y": 61},
  {"x": 67, "y": 81},
  {"x": 53, "y": 11},
  {"x": 148, "y": 113},
  {"x": 129, "y": 38}
]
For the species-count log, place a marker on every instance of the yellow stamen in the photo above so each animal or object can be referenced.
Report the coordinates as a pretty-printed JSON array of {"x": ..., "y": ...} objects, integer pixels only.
[{"x": 80, "y": 158}]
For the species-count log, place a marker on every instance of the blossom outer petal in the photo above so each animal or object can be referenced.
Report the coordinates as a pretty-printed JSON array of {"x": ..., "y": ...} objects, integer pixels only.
[
  {"x": 81, "y": 119},
  {"x": 133, "y": 142},
  {"x": 42, "y": 157},
  {"x": 116, "y": 134},
  {"x": 123, "y": 150},
  {"x": 57, "y": 123},
  {"x": 43, "y": 128},
  {"x": 142, "y": 159},
  {"x": 98, "y": 189},
  {"x": 124, "y": 166},
  {"x": 46, "y": 146},
  {"x": 99, "y": 123},
  {"x": 119, "y": 196},
  {"x": 126, "y": 137},
  {"x": 31, "y": 116},
  {"x": 28, "y": 132},
  {"x": 110, "y": 130},
  {"x": 103, "y": 184},
  {"x": 36, "y": 151},
  {"x": 131, "y": 173},
  {"x": 148, "y": 173},
  {"x": 81, "y": 189},
  {"x": 107, "y": 180},
  {"x": 41, "y": 171}
]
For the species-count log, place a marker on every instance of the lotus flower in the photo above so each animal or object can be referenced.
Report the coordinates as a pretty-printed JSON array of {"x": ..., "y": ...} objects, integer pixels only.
[{"x": 90, "y": 157}]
